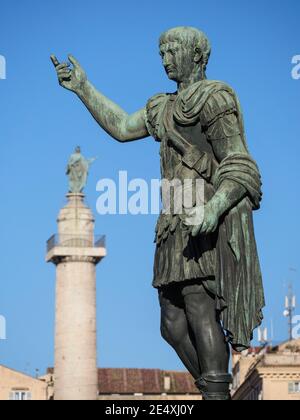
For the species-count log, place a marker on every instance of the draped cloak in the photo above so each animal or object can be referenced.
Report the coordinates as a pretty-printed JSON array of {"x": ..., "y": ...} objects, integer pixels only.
[{"x": 227, "y": 260}]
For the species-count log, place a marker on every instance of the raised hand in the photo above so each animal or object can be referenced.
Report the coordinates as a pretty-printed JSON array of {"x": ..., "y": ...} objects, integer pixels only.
[{"x": 73, "y": 78}]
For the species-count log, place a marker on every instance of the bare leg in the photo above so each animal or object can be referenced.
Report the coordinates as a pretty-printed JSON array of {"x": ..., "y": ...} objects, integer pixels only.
[
  {"x": 175, "y": 329},
  {"x": 212, "y": 349}
]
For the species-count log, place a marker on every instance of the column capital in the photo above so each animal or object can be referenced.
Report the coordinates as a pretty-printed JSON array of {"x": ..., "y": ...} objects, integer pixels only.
[
  {"x": 63, "y": 254},
  {"x": 59, "y": 259}
]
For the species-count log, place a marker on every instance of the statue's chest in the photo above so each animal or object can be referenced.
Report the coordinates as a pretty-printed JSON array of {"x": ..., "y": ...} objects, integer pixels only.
[{"x": 192, "y": 135}]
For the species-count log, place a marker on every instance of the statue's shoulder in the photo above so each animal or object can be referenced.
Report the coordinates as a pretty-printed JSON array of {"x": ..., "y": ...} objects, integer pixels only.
[
  {"x": 154, "y": 111},
  {"x": 204, "y": 88},
  {"x": 208, "y": 96},
  {"x": 155, "y": 100}
]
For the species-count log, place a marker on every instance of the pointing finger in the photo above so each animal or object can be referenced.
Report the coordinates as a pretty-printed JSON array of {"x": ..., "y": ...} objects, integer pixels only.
[
  {"x": 54, "y": 60},
  {"x": 73, "y": 60}
]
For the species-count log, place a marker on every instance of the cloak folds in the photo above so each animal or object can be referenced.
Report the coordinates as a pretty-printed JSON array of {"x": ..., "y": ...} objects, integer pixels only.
[{"x": 239, "y": 294}]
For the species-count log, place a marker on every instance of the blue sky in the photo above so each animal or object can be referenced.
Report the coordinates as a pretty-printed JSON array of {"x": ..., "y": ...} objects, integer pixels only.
[{"x": 40, "y": 124}]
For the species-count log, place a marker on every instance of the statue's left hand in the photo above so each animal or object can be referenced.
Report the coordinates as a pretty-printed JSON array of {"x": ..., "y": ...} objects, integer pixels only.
[{"x": 208, "y": 222}]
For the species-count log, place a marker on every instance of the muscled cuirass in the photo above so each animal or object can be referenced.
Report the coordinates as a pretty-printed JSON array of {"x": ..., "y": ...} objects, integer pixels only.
[
  {"x": 187, "y": 191},
  {"x": 172, "y": 165}
]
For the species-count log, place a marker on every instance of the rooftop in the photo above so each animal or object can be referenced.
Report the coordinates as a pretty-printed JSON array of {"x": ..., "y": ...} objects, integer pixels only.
[{"x": 143, "y": 381}]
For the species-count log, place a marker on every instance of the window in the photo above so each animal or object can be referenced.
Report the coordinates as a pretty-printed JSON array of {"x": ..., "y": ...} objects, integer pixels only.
[
  {"x": 167, "y": 383},
  {"x": 294, "y": 388},
  {"x": 20, "y": 396}
]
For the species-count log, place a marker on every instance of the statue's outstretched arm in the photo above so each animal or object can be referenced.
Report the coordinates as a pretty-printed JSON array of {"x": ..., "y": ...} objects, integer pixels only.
[{"x": 113, "y": 119}]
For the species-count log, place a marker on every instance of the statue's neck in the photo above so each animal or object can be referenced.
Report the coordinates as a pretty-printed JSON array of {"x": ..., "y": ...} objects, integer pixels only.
[{"x": 194, "y": 77}]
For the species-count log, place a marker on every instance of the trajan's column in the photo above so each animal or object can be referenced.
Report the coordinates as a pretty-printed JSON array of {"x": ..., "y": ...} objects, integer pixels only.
[{"x": 76, "y": 251}]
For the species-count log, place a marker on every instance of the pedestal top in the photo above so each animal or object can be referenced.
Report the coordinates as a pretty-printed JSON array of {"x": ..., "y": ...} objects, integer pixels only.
[
  {"x": 83, "y": 254},
  {"x": 61, "y": 246}
]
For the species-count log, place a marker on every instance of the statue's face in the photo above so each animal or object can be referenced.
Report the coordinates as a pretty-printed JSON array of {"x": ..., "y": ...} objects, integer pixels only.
[{"x": 178, "y": 60}]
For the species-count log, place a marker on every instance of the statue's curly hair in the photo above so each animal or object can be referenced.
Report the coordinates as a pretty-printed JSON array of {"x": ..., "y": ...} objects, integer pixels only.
[{"x": 192, "y": 38}]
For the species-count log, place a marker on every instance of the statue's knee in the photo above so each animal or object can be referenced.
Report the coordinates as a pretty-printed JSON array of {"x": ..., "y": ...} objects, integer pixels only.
[
  {"x": 164, "y": 333},
  {"x": 172, "y": 332}
]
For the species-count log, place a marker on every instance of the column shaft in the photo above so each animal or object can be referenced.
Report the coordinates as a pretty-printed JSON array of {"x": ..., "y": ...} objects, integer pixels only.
[{"x": 75, "y": 343}]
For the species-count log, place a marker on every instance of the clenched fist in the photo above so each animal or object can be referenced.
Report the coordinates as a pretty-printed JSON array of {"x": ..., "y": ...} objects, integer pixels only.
[{"x": 70, "y": 78}]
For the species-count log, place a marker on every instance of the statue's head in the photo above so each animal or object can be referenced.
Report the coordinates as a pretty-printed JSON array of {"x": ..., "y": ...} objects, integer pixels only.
[
  {"x": 184, "y": 50},
  {"x": 78, "y": 149}
]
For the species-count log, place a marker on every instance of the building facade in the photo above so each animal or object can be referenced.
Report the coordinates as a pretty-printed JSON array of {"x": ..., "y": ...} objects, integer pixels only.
[
  {"x": 268, "y": 374},
  {"x": 16, "y": 386},
  {"x": 113, "y": 385}
]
